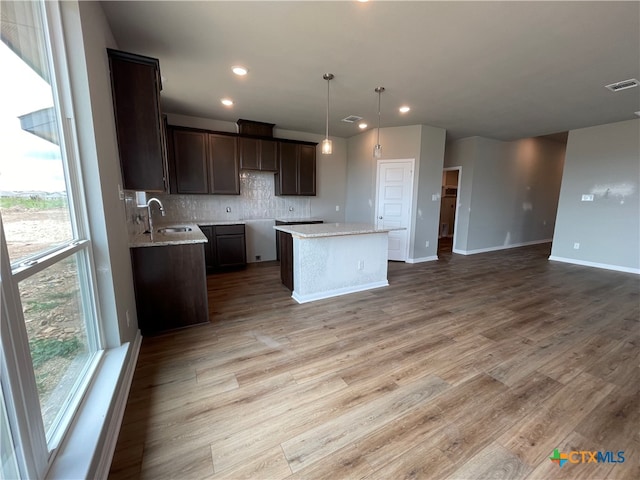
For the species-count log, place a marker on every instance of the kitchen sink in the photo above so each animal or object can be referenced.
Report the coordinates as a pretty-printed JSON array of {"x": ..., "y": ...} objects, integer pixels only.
[{"x": 174, "y": 229}]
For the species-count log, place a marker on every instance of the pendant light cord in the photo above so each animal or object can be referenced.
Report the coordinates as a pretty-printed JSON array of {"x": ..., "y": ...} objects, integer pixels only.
[
  {"x": 379, "y": 93},
  {"x": 327, "y": 129}
]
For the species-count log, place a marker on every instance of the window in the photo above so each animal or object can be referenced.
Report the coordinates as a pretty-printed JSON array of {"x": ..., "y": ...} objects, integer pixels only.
[
  {"x": 8, "y": 459},
  {"x": 51, "y": 342}
]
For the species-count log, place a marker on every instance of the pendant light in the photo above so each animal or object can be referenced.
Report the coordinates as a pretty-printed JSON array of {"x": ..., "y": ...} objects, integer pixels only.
[
  {"x": 377, "y": 150},
  {"x": 327, "y": 146}
]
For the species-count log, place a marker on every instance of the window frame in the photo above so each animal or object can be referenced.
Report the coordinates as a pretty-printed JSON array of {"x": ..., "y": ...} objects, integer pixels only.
[{"x": 35, "y": 451}]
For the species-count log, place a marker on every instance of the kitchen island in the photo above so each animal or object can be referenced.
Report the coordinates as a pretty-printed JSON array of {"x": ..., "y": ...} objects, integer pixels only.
[{"x": 330, "y": 259}]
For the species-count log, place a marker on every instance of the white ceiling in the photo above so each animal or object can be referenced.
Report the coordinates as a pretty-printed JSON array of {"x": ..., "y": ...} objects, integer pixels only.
[{"x": 504, "y": 70}]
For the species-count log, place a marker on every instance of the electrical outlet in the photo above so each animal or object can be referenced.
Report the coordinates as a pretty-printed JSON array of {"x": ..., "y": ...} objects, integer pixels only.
[
  {"x": 361, "y": 265},
  {"x": 426, "y": 244},
  {"x": 258, "y": 258},
  {"x": 587, "y": 197},
  {"x": 337, "y": 208},
  {"x": 435, "y": 197},
  {"x": 576, "y": 246},
  {"x": 228, "y": 209}
]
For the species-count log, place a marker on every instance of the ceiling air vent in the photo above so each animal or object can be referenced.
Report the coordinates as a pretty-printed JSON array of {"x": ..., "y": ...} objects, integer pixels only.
[
  {"x": 623, "y": 85},
  {"x": 352, "y": 119}
]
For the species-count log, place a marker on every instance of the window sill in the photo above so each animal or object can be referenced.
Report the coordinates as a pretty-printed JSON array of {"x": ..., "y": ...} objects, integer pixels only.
[{"x": 88, "y": 446}]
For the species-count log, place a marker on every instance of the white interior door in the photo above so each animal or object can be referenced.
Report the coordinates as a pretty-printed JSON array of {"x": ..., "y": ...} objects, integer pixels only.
[{"x": 393, "y": 206}]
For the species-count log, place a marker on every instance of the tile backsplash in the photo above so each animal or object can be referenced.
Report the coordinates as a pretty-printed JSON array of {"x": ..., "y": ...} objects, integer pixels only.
[{"x": 257, "y": 200}]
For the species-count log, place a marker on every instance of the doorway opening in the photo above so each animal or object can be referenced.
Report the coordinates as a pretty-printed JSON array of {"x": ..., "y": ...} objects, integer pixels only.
[{"x": 448, "y": 209}]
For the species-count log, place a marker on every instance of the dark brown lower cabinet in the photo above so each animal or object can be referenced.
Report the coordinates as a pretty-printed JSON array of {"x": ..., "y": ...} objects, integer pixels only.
[
  {"x": 226, "y": 247},
  {"x": 284, "y": 222},
  {"x": 170, "y": 286},
  {"x": 285, "y": 251}
]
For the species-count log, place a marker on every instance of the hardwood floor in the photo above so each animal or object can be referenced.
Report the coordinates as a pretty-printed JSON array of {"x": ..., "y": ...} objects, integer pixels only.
[{"x": 468, "y": 367}]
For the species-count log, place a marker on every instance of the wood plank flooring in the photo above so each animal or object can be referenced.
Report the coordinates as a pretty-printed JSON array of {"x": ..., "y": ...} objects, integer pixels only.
[{"x": 468, "y": 367}]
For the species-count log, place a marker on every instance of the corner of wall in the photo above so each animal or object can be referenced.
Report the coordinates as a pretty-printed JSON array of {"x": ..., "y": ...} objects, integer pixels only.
[{"x": 90, "y": 36}]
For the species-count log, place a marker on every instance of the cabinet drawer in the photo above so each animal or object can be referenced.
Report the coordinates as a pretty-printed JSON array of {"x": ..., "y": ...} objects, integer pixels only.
[{"x": 229, "y": 229}]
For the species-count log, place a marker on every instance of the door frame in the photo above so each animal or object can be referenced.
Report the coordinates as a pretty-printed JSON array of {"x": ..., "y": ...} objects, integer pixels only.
[
  {"x": 455, "y": 220},
  {"x": 413, "y": 188}
]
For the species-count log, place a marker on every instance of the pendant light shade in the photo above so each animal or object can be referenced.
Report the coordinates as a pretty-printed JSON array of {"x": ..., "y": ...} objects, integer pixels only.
[
  {"x": 327, "y": 145},
  {"x": 377, "y": 150}
]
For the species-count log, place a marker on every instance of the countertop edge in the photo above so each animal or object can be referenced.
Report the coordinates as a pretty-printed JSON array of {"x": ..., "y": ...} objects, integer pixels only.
[{"x": 331, "y": 230}]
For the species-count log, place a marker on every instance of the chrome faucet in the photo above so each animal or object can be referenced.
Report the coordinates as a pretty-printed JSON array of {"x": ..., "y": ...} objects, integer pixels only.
[{"x": 149, "y": 216}]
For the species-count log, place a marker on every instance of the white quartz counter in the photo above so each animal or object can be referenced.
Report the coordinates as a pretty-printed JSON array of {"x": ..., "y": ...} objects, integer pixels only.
[
  {"x": 157, "y": 239},
  {"x": 317, "y": 230}
]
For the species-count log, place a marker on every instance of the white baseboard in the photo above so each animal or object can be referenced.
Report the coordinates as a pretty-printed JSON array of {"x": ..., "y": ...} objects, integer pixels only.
[
  {"x": 605, "y": 266},
  {"x": 501, "y": 247},
  {"x": 120, "y": 403},
  {"x": 337, "y": 292},
  {"x": 423, "y": 259}
]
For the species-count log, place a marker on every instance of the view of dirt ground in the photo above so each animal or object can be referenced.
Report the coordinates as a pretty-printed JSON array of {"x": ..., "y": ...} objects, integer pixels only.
[{"x": 50, "y": 299}]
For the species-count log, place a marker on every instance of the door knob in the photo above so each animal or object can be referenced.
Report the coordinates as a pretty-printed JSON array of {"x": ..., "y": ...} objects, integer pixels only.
[{"x": 379, "y": 218}]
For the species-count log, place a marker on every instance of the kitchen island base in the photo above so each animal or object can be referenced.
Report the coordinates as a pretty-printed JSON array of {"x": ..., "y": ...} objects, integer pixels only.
[{"x": 331, "y": 260}]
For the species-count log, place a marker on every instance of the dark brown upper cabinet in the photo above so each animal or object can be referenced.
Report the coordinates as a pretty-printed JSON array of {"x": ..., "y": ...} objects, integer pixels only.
[
  {"x": 306, "y": 169},
  {"x": 258, "y": 154},
  {"x": 296, "y": 169},
  {"x": 189, "y": 161},
  {"x": 135, "y": 86},
  {"x": 224, "y": 175},
  {"x": 203, "y": 162}
]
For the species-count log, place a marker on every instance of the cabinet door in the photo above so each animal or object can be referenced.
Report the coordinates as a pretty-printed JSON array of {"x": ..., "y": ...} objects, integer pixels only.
[
  {"x": 306, "y": 170},
  {"x": 230, "y": 250},
  {"x": 268, "y": 155},
  {"x": 285, "y": 252},
  {"x": 135, "y": 85},
  {"x": 209, "y": 248},
  {"x": 223, "y": 165},
  {"x": 189, "y": 159},
  {"x": 249, "y": 153},
  {"x": 170, "y": 287},
  {"x": 287, "y": 176}
]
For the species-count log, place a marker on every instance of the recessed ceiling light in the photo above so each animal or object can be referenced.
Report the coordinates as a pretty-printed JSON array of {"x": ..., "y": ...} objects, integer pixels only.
[
  {"x": 227, "y": 102},
  {"x": 404, "y": 109},
  {"x": 363, "y": 126},
  {"x": 239, "y": 70}
]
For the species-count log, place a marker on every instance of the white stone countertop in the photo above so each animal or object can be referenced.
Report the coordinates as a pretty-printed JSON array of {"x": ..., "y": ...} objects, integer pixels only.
[
  {"x": 158, "y": 239},
  {"x": 317, "y": 230}
]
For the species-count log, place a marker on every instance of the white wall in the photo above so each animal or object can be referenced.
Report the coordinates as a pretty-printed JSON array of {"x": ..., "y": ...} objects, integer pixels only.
[
  {"x": 462, "y": 153},
  {"x": 432, "y": 144},
  {"x": 509, "y": 192},
  {"x": 423, "y": 143},
  {"x": 100, "y": 165},
  {"x": 603, "y": 161}
]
